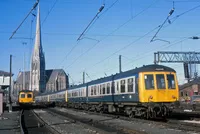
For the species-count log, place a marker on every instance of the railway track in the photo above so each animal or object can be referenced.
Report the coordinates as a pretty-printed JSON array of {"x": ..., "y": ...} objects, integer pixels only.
[
  {"x": 100, "y": 127},
  {"x": 31, "y": 123},
  {"x": 173, "y": 123}
]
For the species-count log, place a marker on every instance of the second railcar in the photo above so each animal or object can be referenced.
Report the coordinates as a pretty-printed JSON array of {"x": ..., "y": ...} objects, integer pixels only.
[{"x": 26, "y": 98}]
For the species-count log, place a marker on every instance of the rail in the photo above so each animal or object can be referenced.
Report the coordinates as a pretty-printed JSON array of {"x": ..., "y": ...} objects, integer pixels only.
[
  {"x": 21, "y": 118},
  {"x": 30, "y": 122}
]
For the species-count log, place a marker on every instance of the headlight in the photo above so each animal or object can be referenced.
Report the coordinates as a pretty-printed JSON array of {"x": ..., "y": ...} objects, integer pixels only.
[
  {"x": 173, "y": 97},
  {"x": 151, "y": 97}
]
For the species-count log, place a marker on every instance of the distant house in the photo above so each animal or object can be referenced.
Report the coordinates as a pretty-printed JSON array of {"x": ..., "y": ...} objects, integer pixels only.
[
  {"x": 56, "y": 79},
  {"x": 189, "y": 89}
]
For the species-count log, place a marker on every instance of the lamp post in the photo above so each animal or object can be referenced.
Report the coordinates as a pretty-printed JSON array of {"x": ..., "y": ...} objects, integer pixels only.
[{"x": 10, "y": 103}]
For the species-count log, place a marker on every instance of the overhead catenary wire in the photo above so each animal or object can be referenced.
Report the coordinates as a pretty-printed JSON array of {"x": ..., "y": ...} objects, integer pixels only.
[
  {"x": 183, "y": 13},
  {"x": 100, "y": 15},
  {"x": 86, "y": 31},
  {"x": 126, "y": 46},
  {"x": 99, "y": 11},
  {"x": 88, "y": 76},
  {"x": 74, "y": 46},
  {"x": 100, "y": 35},
  {"x": 143, "y": 55},
  {"x": 182, "y": 1},
  {"x": 70, "y": 51},
  {"x": 34, "y": 6},
  {"x": 120, "y": 26},
  {"x": 160, "y": 26},
  {"x": 49, "y": 11}
]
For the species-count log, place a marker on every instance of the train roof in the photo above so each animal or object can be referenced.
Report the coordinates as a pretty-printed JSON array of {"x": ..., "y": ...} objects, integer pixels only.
[
  {"x": 145, "y": 68},
  {"x": 25, "y": 91},
  {"x": 49, "y": 93},
  {"x": 77, "y": 86}
]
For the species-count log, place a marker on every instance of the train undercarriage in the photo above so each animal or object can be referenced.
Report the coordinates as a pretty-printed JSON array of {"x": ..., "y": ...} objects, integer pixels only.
[{"x": 142, "y": 110}]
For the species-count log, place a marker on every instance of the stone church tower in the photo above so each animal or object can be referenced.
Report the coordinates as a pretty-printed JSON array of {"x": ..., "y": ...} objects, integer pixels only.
[{"x": 37, "y": 73}]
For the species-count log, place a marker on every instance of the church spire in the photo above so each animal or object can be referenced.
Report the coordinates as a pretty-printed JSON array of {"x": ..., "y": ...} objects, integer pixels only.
[
  {"x": 37, "y": 80},
  {"x": 38, "y": 41}
]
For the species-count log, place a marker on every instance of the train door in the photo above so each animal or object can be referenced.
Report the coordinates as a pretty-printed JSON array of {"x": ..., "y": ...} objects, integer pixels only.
[{"x": 66, "y": 97}]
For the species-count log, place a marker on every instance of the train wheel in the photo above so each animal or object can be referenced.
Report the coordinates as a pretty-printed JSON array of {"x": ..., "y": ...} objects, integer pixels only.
[
  {"x": 101, "y": 111},
  {"x": 147, "y": 115},
  {"x": 131, "y": 115}
]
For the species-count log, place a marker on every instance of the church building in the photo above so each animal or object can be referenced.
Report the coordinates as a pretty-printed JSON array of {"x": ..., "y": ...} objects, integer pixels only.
[{"x": 38, "y": 78}]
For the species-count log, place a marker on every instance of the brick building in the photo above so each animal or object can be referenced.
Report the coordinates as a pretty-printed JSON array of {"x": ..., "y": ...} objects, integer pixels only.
[{"x": 189, "y": 89}]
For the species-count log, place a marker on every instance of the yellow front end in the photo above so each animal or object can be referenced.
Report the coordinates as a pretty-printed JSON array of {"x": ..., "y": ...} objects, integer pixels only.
[
  {"x": 26, "y": 97},
  {"x": 158, "y": 87}
]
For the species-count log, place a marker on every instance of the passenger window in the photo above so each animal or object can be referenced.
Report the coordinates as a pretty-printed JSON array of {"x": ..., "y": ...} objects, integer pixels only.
[
  {"x": 160, "y": 81},
  {"x": 97, "y": 89},
  {"x": 122, "y": 86},
  {"x": 108, "y": 88},
  {"x": 29, "y": 95},
  {"x": 22, "y": 95},
  {"x": 80, "y": 93},
  {"x": 171, "y": 81},
  {"x": 149, "y": 81},
  {"x": 130, "y": 85},
  {"x": 104, "y": 89},
  {"x": 101, "y": 89},
  {"x": 92, "y": 91},
  {"x": 113, "y": 88},
  {"x": 83, "y": 93},
  {"x": 117, "y": 87},
  {"x": 95, "y": 92}
]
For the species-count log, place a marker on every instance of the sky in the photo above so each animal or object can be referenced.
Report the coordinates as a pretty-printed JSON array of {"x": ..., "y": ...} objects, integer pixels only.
[{"x": 124, "y": 27}]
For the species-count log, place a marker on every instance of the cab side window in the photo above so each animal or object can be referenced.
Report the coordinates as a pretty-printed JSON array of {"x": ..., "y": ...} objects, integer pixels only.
[{"x": 149, "y": 81}]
